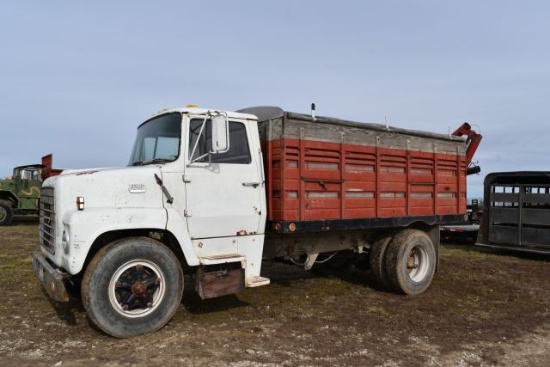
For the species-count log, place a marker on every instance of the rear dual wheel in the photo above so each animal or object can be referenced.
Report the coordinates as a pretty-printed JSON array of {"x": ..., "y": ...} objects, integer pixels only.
[
  {"x": 377, "y": 261},
  {"x": 404, "y": 263}
]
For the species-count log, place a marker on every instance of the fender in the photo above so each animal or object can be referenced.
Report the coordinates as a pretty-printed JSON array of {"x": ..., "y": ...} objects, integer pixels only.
[
  {"x": 82, "y": 228},
  {"x": 10, "y": 196}
]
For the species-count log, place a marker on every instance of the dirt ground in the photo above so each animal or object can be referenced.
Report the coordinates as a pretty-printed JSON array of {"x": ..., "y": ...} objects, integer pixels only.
[{"x": 483, "y": 309}]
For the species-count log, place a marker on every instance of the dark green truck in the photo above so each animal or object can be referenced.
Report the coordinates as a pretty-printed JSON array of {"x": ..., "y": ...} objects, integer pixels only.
[{"x": 20, "y": 193}]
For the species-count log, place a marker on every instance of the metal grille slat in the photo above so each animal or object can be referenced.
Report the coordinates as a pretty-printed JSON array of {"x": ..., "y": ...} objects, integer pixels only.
[{"x": 47, "y": 219}]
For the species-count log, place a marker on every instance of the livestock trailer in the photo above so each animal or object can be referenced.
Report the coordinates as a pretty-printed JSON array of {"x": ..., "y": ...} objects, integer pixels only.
[{"x": 516, "y": 212}]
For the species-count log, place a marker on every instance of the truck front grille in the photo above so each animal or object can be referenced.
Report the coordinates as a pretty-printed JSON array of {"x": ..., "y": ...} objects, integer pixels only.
[{"x": 47, "y": 219}]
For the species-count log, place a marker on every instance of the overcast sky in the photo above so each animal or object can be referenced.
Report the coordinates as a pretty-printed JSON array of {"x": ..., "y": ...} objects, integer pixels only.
[{"x": 76, "y": 78}]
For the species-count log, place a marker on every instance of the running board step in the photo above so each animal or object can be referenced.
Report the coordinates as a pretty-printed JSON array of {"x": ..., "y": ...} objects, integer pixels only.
[
  {"x": 221, "y": 259},
  {"x": 256, "y": 281}
]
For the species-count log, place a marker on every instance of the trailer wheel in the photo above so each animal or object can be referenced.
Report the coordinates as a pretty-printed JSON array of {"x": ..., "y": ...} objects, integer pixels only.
[
  {"x": 132, "y": 287},
  {"x": 377, "y": 262},
  {"x": 410, "y": 262},
  {"x": 6, "y": 213}
]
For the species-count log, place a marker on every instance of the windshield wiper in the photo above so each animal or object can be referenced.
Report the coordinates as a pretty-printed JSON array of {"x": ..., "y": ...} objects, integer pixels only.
[{"x": 152, "y": 161}]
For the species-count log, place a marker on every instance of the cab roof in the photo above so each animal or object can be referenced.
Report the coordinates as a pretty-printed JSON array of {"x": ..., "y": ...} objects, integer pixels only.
[{"x": 204, "y": 111}]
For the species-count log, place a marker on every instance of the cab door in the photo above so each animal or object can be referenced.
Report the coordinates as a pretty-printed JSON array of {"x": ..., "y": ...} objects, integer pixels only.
[{"x": 224, "y": 191}]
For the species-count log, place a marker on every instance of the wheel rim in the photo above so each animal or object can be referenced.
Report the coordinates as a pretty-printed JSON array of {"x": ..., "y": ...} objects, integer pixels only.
[
  {"x": 137, "y": 288},
  {"x": 418, "y": 264},
  {"x": 3, "y": 214}
]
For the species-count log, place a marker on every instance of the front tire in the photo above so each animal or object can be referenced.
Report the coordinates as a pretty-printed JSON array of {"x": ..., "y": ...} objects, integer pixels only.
[
  {"x": 132, "y": 287},
  {"x": 6, "y": 213},
  {"x": 410, "y": 262}
]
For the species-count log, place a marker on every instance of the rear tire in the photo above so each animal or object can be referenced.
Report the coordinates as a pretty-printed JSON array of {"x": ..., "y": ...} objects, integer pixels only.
[
  {"x": 377, "y": 262},
  {"x": 132, "y": 287},
  {"x": 410, "y": 262},
  {"x": 6, "y": 213}
]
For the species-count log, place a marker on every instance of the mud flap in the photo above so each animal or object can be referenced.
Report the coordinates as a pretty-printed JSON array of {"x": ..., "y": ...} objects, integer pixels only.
[{"x": 220, "y": 280}]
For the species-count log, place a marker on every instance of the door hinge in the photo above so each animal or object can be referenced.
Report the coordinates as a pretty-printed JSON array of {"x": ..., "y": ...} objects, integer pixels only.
[
  {"x": 186, "y": 178},
  {"x": 187, "y": 213}
]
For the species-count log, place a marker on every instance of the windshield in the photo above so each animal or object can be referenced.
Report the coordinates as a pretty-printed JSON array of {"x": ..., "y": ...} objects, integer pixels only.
[
  {"x": 157, "y": 141},
  {"x": 27, "y": 173}
]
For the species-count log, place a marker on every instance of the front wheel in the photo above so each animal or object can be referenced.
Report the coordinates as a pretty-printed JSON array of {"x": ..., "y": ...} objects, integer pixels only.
[
  {"x": 6, "y": 213},
  {"x": 132, "y": 287},
  {"x": 410, "y": 262}
]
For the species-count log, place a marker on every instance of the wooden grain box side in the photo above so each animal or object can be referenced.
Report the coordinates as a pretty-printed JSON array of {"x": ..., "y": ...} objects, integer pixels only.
[{"x": 333, "y": 169}]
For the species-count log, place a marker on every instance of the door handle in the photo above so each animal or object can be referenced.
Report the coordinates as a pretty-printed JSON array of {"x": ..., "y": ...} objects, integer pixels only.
[{"x": 252, "y": 184}]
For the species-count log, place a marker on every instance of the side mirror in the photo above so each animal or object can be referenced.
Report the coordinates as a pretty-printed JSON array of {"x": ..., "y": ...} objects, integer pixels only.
[{"x": 220, "y": 134}]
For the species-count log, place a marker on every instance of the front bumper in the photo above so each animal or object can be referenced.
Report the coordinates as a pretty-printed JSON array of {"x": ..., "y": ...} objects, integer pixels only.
[{"x": 52, "y": 279}]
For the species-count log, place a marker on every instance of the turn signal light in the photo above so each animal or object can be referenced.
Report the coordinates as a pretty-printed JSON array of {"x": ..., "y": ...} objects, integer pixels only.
[{"x": 80, "y": 203}]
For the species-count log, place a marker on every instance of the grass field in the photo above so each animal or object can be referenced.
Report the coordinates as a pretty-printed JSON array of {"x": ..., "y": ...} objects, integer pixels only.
[{"x": 482, "y": 309}]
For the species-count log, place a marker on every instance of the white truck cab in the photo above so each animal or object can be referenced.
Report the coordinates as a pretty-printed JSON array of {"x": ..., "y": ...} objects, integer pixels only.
[{"x": 193, "y": 195}]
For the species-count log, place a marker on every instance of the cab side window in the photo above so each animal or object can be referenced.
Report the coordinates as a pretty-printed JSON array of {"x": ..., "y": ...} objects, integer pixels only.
[{"x": 238, "y": 153}]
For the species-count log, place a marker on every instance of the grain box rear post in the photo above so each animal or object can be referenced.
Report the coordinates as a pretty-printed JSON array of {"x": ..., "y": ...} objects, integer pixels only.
[{"x": 516, "y": 212}]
